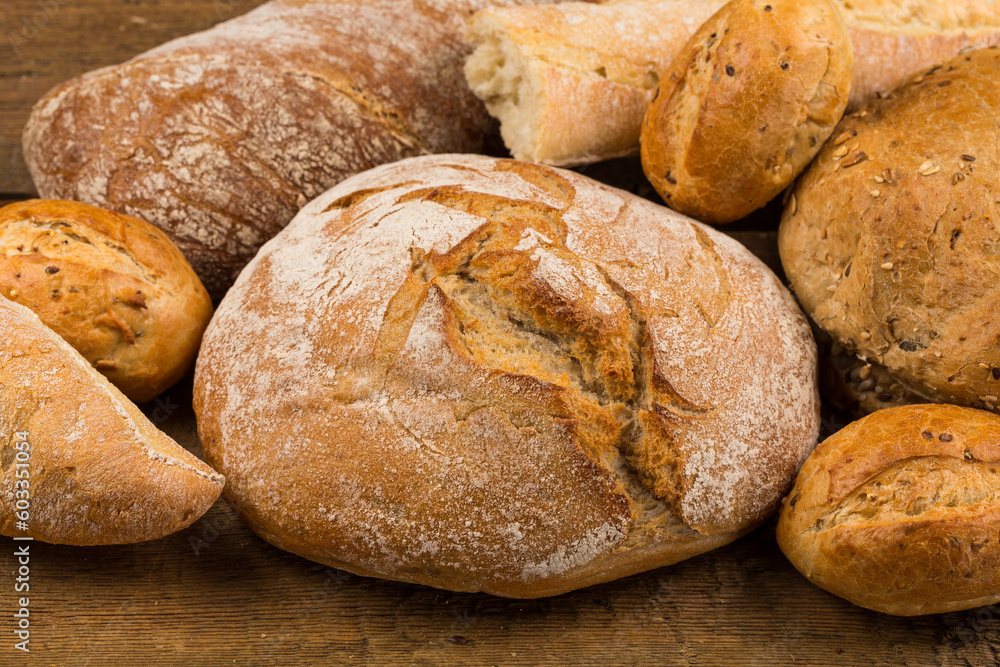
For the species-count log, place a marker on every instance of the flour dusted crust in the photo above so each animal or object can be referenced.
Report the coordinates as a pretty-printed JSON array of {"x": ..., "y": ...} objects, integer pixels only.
[
  {"x": 99, "y": 472},
  {"x": 899, "y": 511},
  {"x": 220, "y": 137},
  {"x": 485, "y": 374}
]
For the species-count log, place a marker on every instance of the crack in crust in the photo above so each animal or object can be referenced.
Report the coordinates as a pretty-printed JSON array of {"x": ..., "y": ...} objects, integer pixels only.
[
  {"x": 558, "y": 413},
  {"x": 912, "y": 488},
  {"x": 538, "y": 310}
]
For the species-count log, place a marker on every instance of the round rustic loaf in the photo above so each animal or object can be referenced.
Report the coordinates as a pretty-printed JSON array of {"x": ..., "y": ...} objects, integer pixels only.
[
  {"x": 115, "y": 287},
  {"x": 890, "y": 238},
  {"x": 899, "y": 511},
  {"x": 746, "y": 105},
  {"x": 484, "y": 374}
]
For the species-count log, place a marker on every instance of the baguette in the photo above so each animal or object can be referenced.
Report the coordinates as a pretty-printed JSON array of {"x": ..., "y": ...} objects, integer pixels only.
[
  {"x": 80, "y": 461},
  {"x": 570, "y": 84},
  {"x": 488, "y": 375},
  {"x": 218, "y": 138}
]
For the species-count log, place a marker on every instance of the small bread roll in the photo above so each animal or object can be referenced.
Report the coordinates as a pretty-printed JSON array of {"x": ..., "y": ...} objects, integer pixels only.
[
  {"x": 746, "y": 105},
  {"x": 79, "y": 463},
  {"x": 115, "y": 287},
  {"x": 890, "y": 238},
  {"x": 899, "y": 512}
]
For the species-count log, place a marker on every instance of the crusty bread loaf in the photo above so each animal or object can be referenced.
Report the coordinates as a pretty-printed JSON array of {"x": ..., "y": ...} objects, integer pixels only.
[
  {"x": 887, "y": 238},
  {"x": 894, "y": 39},
  {"x": 762, "y": 83},
  {"x": 490, "y": 375},
  {"x": 571, "y": 82},
  {"x": 94, "y": 469},
  {"x": 570, "y": 87},
  {"x": 115, "y": 287},
  {"x": 899, "y": 512},
  {"x": 219, "y": 138}
]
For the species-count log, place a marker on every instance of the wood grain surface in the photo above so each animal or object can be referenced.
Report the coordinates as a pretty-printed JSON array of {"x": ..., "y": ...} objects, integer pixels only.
[{"x": 217, "y": 594}]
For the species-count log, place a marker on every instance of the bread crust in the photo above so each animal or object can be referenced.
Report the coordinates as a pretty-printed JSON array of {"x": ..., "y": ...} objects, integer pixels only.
[
  {"x": 898, "y": 511},
  {"x": 115, "y": 287},
  {"x": 98, "y": 471},
  {"x": 887, "y": 239},
  {"x": 547, "y": 71},
  {"x": 892, "y": 39},
  {"x": 219, "y": 138},
  {"x": 489, "y": 375},
  {"x": 746, "y": 104}
]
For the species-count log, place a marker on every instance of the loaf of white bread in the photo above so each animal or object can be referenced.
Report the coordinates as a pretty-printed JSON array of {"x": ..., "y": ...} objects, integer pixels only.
[
  {"x": 570, "y": 82},
  {"x": 490, "y": 375}
]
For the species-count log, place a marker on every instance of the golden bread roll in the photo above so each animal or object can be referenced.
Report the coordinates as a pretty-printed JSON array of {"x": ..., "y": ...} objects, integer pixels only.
[
  {"x": 79, "y": 463},
  {"x": 570, "y": 83},
  {"x": 745, "y": 106},
  {"x": 899, "y": 512},
  {"x": 889, "y": 238},
  {"x": 115, "y": 287}
]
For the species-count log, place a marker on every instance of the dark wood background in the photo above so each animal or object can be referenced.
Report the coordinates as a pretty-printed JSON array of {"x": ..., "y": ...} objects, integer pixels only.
[{"x": 217, "y": 594}]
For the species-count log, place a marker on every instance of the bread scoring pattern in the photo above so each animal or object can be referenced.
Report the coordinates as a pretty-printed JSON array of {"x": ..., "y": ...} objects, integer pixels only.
[{"x": 539, "y": 353}]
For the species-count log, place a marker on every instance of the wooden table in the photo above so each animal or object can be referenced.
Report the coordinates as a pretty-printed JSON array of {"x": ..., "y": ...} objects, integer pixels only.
[{"x": 215, "y": 593}]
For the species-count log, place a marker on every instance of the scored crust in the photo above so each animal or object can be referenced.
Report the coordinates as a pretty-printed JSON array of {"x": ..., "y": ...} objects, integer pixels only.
[
  {"x": 898, "y": 512},
  {"x": 98, "y": 471},
  {"x": 489, "y": 375},
  {"x": 745, "y": 106}
]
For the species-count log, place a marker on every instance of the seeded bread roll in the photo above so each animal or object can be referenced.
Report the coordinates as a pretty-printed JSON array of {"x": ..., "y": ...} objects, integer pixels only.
[
  {"x": 570, "y": 84},
  {"x": 489, "y": 375},
  {"x": 219, "y": 138},
  {"x": 888, "y": 238},
  {"x": 899, "y": 512},
  {"x": 79, "y": 463},
  {"x": 746, "y": 105},
  {"x": 115, "y": 287}
]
